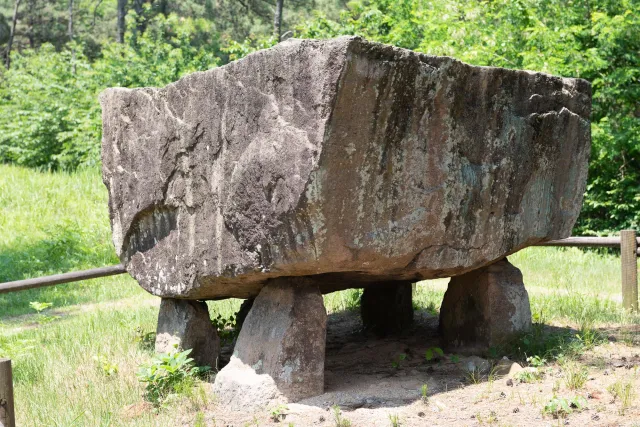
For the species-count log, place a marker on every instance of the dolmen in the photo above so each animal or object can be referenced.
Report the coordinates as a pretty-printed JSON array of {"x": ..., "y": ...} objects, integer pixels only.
[{"x": 321, "y": 165}]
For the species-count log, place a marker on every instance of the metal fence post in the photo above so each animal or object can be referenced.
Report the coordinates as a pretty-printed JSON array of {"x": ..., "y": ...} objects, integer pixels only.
[
  {"x": 629, "y": 261},
  {"x": 7, "y": 415}
]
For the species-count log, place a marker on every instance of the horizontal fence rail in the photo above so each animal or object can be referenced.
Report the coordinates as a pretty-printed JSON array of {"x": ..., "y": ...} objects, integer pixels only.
[
  {"x": 58, "y": 279},
  {"x": 628, "y": 242},
  {"x": 584, "y": 242}
]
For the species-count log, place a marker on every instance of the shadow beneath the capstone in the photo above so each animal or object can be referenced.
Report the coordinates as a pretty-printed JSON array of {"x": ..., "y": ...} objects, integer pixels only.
[{"x": 362, "y": 371}]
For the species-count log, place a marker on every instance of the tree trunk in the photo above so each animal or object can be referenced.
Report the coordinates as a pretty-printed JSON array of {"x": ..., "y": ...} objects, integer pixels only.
[
  {"x": 95, "y": 13},
  {"x": 140, "y": 20},
  {"x": 277, "y": 20},
  {"x": 31, "y": 24},
  {"x": 70, "y": 26},
  {"x": 122, "y": 12},
  {"x": 73, "y": 51},
  {"x": 12, "y": 34}
]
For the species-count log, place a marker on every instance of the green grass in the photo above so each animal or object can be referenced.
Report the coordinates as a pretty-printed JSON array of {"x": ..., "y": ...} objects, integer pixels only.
[
  {"x": 56, "y": 222},
  {"x": 53, "y": 223}
]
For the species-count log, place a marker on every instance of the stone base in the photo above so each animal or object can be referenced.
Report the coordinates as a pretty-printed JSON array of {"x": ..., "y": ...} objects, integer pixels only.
[
  {"x": 279, "y": 354},
  {"x": 239, "y": 388},
  {"x": 484, "y": 308},
  {"x": 386, "y": 308},
  {"x": 185, "y": 324}
]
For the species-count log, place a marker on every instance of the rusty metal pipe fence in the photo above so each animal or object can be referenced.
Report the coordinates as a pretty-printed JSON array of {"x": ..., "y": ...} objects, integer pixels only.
[{"x": 628, "y": 242}]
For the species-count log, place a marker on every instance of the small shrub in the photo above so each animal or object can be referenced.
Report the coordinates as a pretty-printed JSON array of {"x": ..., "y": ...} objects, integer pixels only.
[
  {"x": 226, "y": 327},
  {"x": 40, "y": 307},
  {"x": 559, "y": 407},
  {"x": 279, "y": 413},
  {"x": 146, "y": 340},
  {"x": 108, "y": 369},
  {"x": 398, "y": 360},
  {"x": 169, "y": 374},
  {"x": 623, "y": 392},
  {"x": 575, "y": 375},
  {"x": 338, "y": 419},
  {"x": 395, "y": 420},
  {"x": 433, "y": 353},
  {"x": 424, "y": 390},
  {"x": 529, "y": 376},
  {"x": 536, "y": 361}
]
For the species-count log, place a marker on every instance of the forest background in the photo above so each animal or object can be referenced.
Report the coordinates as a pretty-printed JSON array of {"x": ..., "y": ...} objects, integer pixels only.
[{"x": 58, "y": 55}]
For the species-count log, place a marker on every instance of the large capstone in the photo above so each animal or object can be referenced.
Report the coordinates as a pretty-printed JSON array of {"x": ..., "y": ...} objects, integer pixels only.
[{"x": 341, "y": 160}]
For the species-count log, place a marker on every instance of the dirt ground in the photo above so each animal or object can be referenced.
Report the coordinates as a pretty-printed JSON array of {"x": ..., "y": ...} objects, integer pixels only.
[{"x": 374, "y": 381}]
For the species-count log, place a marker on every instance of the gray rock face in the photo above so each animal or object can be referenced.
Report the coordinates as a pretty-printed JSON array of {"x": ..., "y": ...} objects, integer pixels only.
[
  {"x": 186, "y": 324},
  {"x": 280, "y": 350},
  {"x": 344, "y": 160},
  {"x": 484, "y": 308}
]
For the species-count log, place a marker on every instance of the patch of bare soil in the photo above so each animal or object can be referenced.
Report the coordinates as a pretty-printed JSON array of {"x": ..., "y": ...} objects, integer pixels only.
[{"x": 376, "y": 381}]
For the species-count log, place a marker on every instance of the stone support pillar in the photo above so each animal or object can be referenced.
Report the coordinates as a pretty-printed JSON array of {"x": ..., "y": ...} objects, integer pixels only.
[
  {"x": 185, "y": 324},
  {"x": 484, "y": 308},
  {"x": 279, "y": 354}
]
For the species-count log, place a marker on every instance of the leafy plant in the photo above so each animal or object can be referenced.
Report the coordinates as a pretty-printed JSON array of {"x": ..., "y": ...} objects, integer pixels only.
[
  {"x": 168, "y": 374},
  {"x": 433, "y": 353},
  {"x": 397, "y": 361},
  {"x": 529, "y": 376},
  {"x": 536, "y": 361},
  {"x": 559, "y": 407},
  {"x": 424, "y": 391},
  {"x": 39, "y": 307},
  {"x": 200, "y": 420},
  {"x": 146, "y": 340},
  {"x": 279, "y": 413},
  {"x": 226, "y": 327},
  {"x": 108, "y": 369}
]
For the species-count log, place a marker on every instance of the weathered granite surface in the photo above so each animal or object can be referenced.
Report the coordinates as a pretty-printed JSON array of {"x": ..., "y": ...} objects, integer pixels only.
[
  {"x": 185, "y": 324},
  {"x": 280, "y": 351},
  {"x": 343, "y": 160}
]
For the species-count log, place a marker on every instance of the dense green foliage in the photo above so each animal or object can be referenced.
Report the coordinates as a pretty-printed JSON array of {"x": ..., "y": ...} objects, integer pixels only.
[
  {"x": 49, "y": 111},
  {"x": 598, "y": 41},
  {"x": 49, "y": 115}
]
